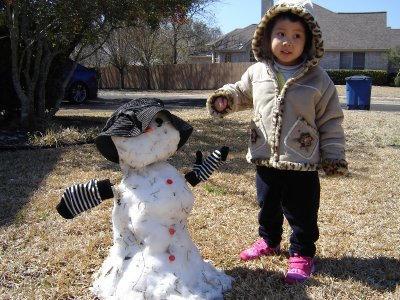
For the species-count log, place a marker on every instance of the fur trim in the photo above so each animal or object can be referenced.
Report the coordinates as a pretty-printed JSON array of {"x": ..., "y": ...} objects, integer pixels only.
[
  {"x": 331, "y": 167},
  {"x": 211, "y": 99},
  {"x": 306, "y": 4},
  {"x": 335, "y": 167},
  {"x": 285, "y": 165},
  {"x": 258, "y": 43}
]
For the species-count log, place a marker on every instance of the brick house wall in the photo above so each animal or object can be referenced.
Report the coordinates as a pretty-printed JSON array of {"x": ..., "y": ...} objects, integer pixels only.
[
  {"x": 374, "y": 60},
  {"x": 330, "y": 60}
]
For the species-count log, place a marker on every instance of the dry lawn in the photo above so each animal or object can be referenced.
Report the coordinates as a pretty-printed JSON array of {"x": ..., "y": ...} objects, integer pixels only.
[{"x": 43, "y": 256}]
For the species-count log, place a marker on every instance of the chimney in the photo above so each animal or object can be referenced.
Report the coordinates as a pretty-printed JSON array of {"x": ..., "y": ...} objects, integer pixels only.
[{"x": 265, "y": 5}]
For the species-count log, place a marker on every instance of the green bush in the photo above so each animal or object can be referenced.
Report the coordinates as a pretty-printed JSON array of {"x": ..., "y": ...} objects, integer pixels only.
[
  {"x": 378, "y": 77},
  {"x": 391, "y": 78},
  {"x": 397, "y": 81}
]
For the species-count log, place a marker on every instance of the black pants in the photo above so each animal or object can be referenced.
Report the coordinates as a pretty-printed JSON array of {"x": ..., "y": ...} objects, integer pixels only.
[{"x": 294, "y": 195}]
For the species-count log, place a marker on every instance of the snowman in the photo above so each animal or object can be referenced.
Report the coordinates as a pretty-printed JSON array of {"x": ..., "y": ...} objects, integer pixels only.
[{"x": 153, "y": 256}]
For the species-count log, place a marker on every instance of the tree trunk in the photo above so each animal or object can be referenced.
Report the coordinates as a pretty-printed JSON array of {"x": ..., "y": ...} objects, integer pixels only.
[
  {"x": 148, "y": 77},
  {"x": 23, "y": 97},
  {"x": 26, "y": 58},
  {"x": 175, "y": 48},
  {"x": 121, "y": 78},
  {"x": 60, "y": 95},
  {"x": 44, "y": 71}
]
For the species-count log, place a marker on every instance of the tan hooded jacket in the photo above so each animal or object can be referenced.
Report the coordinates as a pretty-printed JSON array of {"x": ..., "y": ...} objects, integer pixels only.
[{"x": 298, "y": 127}]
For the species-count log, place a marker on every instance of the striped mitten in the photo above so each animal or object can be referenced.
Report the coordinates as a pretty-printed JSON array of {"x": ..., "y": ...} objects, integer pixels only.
[
  {"x": 81, "y": 197},
  {"x": 202, "y": 170}
]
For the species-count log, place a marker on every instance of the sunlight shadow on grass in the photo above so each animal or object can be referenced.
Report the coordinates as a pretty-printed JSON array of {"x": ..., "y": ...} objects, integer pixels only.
[
  {"x": 25, "y": 171},
  {"x": 379, "y": 273}
]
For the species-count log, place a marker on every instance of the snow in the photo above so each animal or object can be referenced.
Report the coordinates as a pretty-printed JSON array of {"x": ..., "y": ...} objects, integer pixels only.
[{"x": 153, "y": 255}]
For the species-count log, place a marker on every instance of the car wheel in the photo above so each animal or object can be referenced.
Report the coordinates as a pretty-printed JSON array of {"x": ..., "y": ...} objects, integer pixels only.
[{"x": 78, "y": 93}]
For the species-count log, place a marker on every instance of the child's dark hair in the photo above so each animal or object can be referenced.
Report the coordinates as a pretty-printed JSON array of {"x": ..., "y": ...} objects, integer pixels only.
[{"x": 293, "y": 18}]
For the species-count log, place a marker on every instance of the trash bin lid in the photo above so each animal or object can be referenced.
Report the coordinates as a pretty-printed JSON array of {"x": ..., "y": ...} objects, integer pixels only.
[{"x": 358, "y": 77}]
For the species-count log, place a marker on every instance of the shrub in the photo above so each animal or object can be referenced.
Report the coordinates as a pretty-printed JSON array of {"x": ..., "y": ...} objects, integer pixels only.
[
  {"x": 397, "y": 81},
  {"x": 379, "y": 77}
]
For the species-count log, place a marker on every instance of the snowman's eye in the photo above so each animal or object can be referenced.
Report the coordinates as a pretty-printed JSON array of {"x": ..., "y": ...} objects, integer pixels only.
[{"x": 159, "y": 122}]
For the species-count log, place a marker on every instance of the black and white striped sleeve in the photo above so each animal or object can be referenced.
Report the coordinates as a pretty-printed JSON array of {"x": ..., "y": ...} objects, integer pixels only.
[
  {"x": 202, "y": 170},
  {"x": 81, "y": 197}
]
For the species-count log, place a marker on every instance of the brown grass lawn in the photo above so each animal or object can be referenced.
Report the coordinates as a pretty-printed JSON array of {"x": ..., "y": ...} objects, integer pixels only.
[{"x": 43, "y": 256}]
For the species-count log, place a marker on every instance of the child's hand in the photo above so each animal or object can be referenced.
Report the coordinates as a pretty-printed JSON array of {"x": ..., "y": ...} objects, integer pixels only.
[{"x": 220, "y": 104}]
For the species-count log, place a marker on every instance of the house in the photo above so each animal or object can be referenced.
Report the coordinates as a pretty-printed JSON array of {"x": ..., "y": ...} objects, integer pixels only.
[
  {"x": 201, "y": 58},
  {"x": 352, "y": 40}
]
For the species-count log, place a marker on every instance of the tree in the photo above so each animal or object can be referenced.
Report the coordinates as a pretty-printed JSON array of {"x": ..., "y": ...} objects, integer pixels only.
[
  {"x": 199, "y": 35},
  {"x": 147, "y": 44},
  {"x": 182, "y": 30},
  {"x": 394, "y": 63},
  {"x": 191, "y": 37},
  {"x": 119, "y": 52},
  {"x": 41, "y": 31},
  {"x": 394, "y": 58}
]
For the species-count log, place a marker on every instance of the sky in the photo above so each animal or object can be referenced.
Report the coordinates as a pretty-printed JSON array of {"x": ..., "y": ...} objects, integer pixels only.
[{"x": 232, "y": 14}]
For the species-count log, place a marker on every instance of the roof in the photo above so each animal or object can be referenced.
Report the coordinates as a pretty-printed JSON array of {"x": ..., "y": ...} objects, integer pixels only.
[
  {"x": 236, "y": 40},
  {"x": 340, "y": 31},
  {"x": 395, "y": 38},
  {"x": 350, "y": 31}
]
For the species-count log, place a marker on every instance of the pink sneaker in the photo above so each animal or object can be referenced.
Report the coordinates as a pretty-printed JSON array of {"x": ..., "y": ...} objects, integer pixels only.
[
  {"x": 258, "y": 249},
  {"x": 300, "y": 269}
]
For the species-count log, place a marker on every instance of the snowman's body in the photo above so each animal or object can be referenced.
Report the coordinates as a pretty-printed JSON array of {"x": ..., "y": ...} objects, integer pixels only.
[{"x": 153, "y": 256}]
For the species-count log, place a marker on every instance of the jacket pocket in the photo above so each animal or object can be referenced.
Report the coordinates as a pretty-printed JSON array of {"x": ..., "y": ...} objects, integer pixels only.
[
  {"x": 302, "y": 139},
  {"x": 258, "y": 140}
]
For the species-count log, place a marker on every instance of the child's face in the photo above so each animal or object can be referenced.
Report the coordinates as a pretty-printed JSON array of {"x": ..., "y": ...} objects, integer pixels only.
[{"x": 287, "y": 41}]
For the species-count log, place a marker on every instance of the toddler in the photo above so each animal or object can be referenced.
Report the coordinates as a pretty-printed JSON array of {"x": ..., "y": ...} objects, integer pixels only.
[{"x": 296, "y": 130}]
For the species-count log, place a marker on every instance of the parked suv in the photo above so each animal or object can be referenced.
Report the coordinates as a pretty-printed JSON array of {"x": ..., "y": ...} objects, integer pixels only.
[{"x": 82, "y": 86}]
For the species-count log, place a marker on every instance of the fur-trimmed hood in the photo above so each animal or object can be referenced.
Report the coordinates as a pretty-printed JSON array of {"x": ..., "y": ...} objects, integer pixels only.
[{"x": 302, "y": 8}]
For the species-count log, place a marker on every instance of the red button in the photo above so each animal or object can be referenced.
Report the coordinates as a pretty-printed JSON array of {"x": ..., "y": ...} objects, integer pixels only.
[
  {"x": 170, "y": 181},
  {"x": 171, "y": 258}
]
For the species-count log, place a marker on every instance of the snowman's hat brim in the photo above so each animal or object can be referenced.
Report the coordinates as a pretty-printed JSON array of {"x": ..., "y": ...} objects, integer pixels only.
[{"x": 132, "y": 119}]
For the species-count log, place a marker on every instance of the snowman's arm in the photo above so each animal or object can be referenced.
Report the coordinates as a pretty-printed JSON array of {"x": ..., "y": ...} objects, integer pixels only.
[
  {"x": 81, "y": 197},
  {"x": 203, "y": 169}
]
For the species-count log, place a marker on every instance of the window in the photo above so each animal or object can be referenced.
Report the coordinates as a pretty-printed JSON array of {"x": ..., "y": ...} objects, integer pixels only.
[
  {"x": 358, "y": 60},
  {"x": 228, "y": 57},
  {"x": 345, "y": 60},
  {"x": 352, "y": 60}
]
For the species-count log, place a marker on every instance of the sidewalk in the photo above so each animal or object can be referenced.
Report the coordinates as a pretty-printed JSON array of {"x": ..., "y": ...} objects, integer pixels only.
[{"x": 378, "y": 103}]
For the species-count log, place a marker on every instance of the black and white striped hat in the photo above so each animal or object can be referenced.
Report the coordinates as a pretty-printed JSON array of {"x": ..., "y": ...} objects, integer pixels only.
[{"x": 131, "y": 119}]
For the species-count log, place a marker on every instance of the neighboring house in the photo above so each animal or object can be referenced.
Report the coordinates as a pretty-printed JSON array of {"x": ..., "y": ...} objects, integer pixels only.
[
  {"x": 234, "y": 46},
  {"x": 355, "y": 40},
  {"x": 201, "y": 58},
  {"x": 352, "y": 41}
]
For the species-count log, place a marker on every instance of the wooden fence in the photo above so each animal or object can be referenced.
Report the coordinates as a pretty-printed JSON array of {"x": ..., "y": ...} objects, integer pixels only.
[{"x": 175, "y": 77}]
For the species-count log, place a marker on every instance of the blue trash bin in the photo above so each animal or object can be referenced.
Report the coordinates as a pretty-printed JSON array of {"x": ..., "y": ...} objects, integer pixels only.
[{"x": 358, "y": 92}]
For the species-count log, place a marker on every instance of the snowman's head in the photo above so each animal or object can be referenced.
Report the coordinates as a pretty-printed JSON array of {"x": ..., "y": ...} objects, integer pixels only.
[
  {"x": 142, "y": 132},
  {"x": 159, "y": 141}
]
